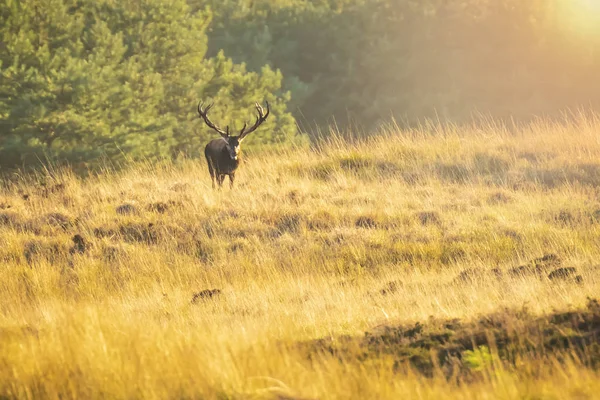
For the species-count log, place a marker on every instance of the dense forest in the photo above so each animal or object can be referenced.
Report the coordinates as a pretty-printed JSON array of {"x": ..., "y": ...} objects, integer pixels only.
[{"x": 84, "y": 81}]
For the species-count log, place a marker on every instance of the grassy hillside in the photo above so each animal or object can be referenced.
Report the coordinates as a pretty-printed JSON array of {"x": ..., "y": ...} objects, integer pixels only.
[{"x": 444, "y": 244}]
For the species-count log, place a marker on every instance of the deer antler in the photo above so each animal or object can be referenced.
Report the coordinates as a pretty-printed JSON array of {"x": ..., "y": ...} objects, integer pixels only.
[
  {"x": 204, "y": 116},
  {"x": 262, "y": 117}
]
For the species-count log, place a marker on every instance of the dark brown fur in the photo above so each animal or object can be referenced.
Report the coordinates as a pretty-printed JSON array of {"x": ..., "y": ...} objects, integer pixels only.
[
  {"x": 220, "y": 163},
  {"x": 223, "y": 155}
]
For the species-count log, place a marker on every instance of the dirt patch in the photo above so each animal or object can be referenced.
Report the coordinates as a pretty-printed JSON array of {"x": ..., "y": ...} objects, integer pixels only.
[
  {"x": 11, "y": 219},
  {"x": 112, "y": 254},
  {"x": 295, "y": 197},
  {"x": 59, "y": 220},
  {"x": 321, "y": 220},
  {"x": 162, "y": 207},
  {"x": 103, "y": 232},
  {"x": 366, "y": 222},
  {"x": 126, "y": 209},
  {"x": 291, "y": 223},
  {"x": 473, "y": 275},
  {"x": 538, "y": 266},
  {"x": 470, "y": 275},
  {"x": 429, "y": 218},
  {"x": 80, "y": 245},
  {"x": 205, "y": 294},
  {"x": 449, "y": 345},
  {"x": 565, "y": 274},
  {"x": 51, "y": 251},
  {"x": 159, "y": 207},
  {"x": 146, "y": 233}
]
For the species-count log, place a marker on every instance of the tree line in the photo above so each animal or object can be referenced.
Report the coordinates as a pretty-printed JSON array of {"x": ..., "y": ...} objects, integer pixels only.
[{"x": 85, "y": 80}]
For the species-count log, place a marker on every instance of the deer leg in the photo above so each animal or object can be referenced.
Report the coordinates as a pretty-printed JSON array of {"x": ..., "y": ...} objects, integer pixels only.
[
  {"x": 211, "y": 171},
  {"x": 212, "y": 176},
  {"x": 220, "y": 179},
  {"x": 231, "y": 179}
]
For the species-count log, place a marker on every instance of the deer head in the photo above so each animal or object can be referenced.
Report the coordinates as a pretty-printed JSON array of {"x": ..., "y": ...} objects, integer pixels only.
[{"x": 233, "y": 142}]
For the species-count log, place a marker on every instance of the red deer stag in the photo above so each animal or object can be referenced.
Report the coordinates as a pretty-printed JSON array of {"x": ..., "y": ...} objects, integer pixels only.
[{"x": 223, "y": 155}]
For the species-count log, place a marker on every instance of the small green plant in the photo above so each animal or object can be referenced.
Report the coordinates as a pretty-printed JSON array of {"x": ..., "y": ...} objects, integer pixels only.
[{"x": 478, "y": 359}]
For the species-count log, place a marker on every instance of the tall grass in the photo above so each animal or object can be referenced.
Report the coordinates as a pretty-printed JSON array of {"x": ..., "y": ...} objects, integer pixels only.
[{"x": 313, "y": 243}]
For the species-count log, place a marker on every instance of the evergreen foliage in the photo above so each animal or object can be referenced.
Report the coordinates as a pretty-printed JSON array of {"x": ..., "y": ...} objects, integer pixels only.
[{"x": 88, "y": 79}]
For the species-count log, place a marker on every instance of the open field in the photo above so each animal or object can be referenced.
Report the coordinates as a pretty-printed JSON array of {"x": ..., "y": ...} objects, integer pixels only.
[{"x": 413, "y": 237}]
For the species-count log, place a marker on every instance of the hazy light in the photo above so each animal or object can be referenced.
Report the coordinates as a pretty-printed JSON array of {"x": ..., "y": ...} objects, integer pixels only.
[{"x": 582, "y": 16}]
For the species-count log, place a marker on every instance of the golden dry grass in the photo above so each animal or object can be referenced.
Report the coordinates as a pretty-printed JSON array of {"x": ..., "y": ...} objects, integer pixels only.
[{"x": 301, "y": 250}]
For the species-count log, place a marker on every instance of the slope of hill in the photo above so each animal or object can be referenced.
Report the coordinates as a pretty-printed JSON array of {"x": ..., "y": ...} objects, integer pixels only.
[{"x": 469, "y": 255}]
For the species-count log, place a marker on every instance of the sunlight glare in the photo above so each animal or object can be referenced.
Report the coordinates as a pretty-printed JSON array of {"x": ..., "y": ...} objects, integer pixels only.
[{"x": 582, "y": 16}]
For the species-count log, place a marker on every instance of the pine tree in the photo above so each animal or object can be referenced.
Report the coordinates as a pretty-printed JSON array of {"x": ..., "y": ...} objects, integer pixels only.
[{"x": 87, "y": 79}]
